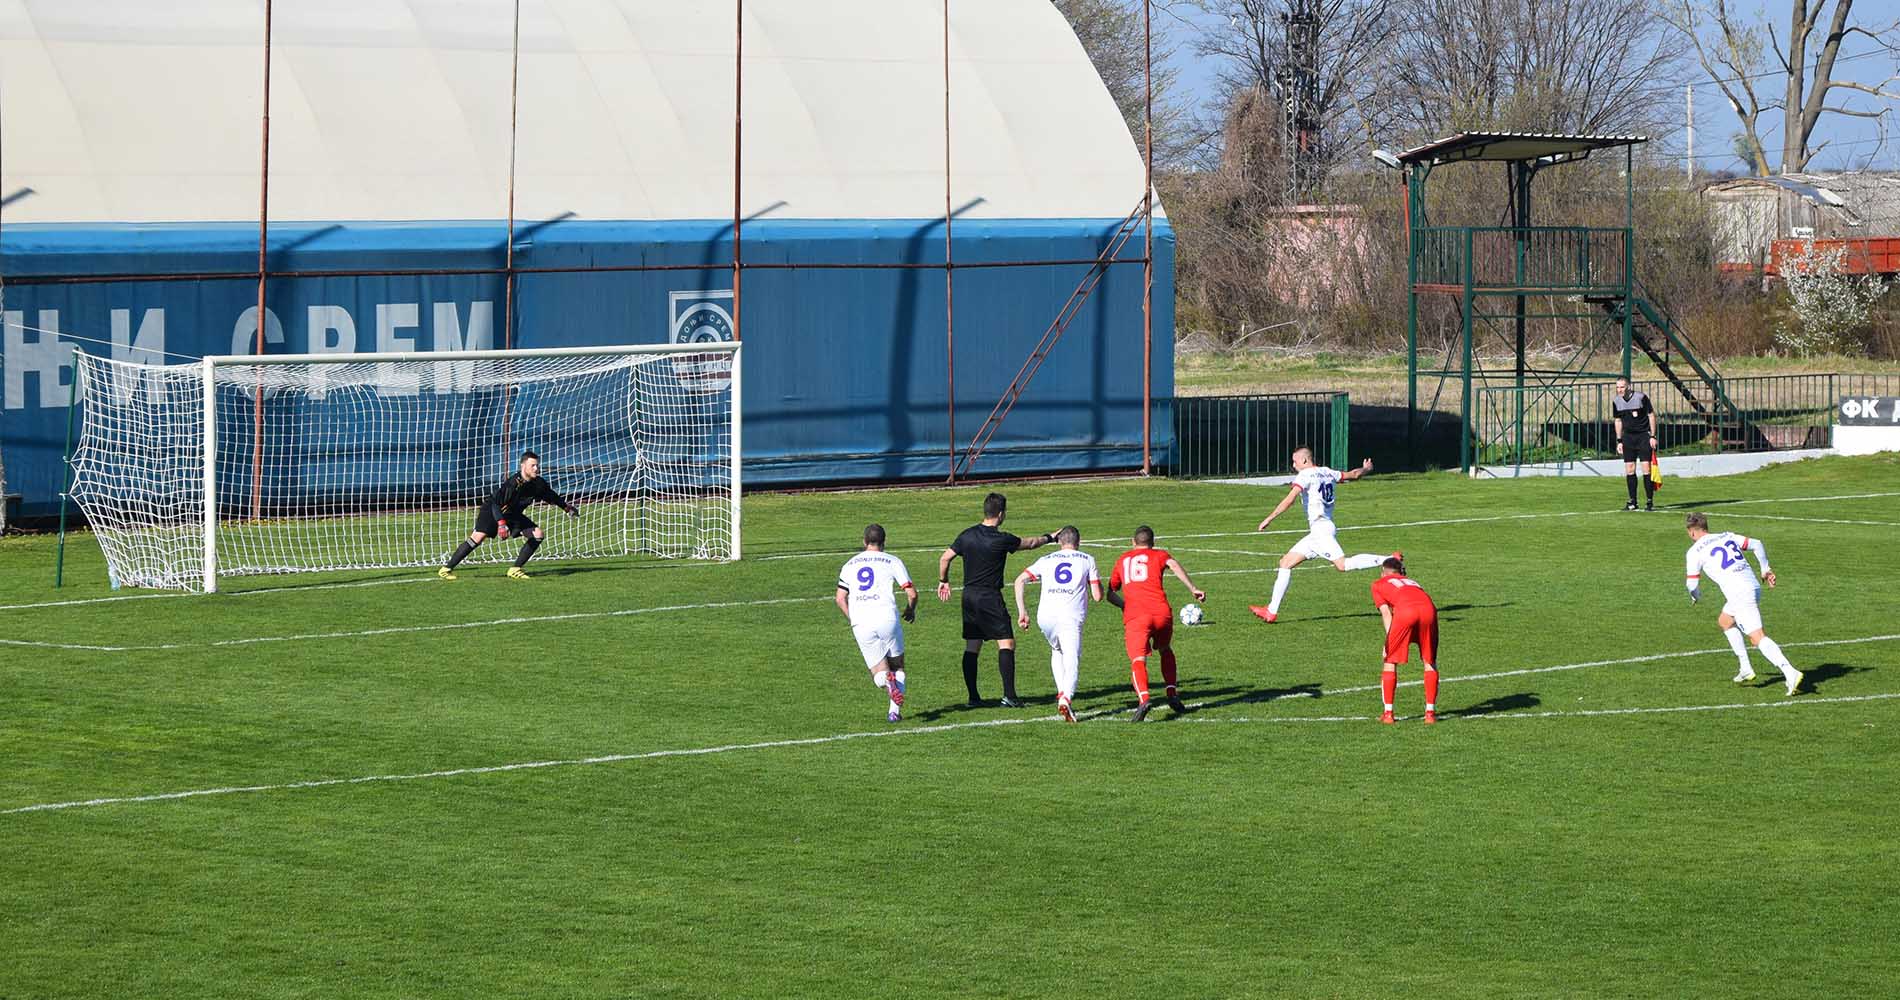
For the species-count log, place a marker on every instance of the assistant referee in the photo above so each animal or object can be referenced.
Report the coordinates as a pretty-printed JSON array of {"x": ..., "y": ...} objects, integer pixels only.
[
  {"x": 984, "y": 548},
  {"x": 1635, "y": 439}
]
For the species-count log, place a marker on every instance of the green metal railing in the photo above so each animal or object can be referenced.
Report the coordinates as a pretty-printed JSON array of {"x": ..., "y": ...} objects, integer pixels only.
[
  {"x": 1255, "y": 435},
  {"x": 1559, "y": 258},
  {"x": 1572, "y": 423}
]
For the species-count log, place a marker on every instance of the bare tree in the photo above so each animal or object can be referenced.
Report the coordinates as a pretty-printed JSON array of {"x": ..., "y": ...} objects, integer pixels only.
[
  {"x": 1349, "y": 65},
  {"x": 1736, "y": 52},
  {"x": 1539, "y": 65}
]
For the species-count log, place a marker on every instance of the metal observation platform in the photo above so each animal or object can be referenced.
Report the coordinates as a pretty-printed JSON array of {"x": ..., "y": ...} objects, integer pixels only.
[{"x": 1501, "y": 278}]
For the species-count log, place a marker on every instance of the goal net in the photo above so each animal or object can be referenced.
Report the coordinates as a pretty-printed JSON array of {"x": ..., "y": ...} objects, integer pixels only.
[{"x": 304, "y": 463}]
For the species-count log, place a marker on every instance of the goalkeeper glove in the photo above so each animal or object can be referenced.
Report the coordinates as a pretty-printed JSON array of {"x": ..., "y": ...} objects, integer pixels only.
[{"x": 573, "y": 511}]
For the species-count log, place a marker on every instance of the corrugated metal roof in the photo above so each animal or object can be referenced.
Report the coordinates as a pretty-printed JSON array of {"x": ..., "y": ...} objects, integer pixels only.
[
  {"x": 1512, "y": 146},
  {"x": 133, "y": 111}
]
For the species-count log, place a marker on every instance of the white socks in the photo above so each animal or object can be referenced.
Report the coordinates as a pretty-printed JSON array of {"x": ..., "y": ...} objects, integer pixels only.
[
  {"x": 1280, "y": 580},
  {"x": 1740, "y": 646},
  {"x": 1773, "y": 652},
  {"x": 900, "y": 681},
  {"x": 882, "y": 679},
  {"x": 1364, "y": 560}
]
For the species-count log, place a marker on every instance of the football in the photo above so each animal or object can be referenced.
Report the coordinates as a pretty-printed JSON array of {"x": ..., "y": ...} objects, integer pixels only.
[{"x": 1190, "y": 614}]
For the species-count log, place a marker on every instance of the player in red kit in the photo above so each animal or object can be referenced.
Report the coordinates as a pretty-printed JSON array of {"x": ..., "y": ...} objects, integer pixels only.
[
  {"x": 1147, "y": 618},
  {"x": 1410, "y": 619}
]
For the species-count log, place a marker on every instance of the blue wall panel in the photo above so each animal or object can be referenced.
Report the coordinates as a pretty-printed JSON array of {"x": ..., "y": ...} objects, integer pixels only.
[{"x": 846, "y": 374}]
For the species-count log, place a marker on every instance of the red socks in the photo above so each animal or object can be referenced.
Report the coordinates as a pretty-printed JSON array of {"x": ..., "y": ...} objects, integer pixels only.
[
  {"x": 1389, "y": 683},
  {"x": 1431, "y": 687},
  {"x": 1167, "y": 670},
  {"x": 1140, "y": 671}
]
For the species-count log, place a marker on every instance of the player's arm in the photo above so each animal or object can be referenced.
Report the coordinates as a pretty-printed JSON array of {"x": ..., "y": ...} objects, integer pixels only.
[
  {"x": 1113, "y": 594},
  {"x": 1385, "y": 612},
  {"x": 1349, "y": 475},
  {"x": 910, "y": 607},
  {"x": 1022, "y": 606},
  {"x": 1653, "y": 432},
  {"x": 1292, "y": 494},
  {"x": 943, "y": 572},
  {"x": 1095, "y": 587},
  {"x": 1181, "y": 575},
  {"x": 1034, "y": 541},
  {"x": 1693, "y": 578},
  {"x": 1761, "y": 558},
  {"x": 843, "y": 596},
  {"x": 548, "y": 496}
]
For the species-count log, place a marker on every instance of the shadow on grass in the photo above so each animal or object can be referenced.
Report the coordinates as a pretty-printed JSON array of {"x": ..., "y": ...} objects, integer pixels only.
[
  {"x": 1812, "y": 678},
  {"x": 1375, "y": 614},
  {"x": 1493, "y": 706}
]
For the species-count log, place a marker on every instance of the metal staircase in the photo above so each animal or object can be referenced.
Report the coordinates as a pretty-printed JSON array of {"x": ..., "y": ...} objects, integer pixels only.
[{"x": 1655, "y": 332}]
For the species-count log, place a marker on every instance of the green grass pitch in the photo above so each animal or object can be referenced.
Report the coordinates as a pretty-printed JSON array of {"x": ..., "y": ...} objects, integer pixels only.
[{"x": 1586, "y": 822}]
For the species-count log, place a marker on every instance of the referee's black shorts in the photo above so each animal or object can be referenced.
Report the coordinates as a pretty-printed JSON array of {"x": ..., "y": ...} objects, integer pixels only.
[
  {"x": 985, "y": 616},
  {"x": 519, "y": 525},
  {"x": 1636, "y": 448}
]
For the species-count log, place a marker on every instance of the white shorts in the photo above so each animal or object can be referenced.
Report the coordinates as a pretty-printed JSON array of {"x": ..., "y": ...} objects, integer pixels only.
[
  {"x": 1064, "y": 635},
  {"x": 1746, "y": 612},
  {"x": 879, "y": 641},
  {"x": 1321, "y": 541}
]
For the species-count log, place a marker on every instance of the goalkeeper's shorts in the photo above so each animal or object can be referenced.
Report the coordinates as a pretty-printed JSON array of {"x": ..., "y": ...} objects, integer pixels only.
[{"x": 519, "y": 525}]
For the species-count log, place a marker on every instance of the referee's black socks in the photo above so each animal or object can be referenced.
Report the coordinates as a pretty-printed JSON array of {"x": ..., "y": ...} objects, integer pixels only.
[
  {"x": 1006, "y": 665},
  {"x": 1629, "y": 479},
  {"x": 969, "y": 673}
]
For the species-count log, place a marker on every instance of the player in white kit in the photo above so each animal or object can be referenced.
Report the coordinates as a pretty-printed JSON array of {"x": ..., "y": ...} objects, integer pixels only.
[
  {"x": 1314, "y": 484},
  {"x": 864, "y": 595},
  {"x": 1721, "y": 556},
  {"x": 1069, "y": 582}
]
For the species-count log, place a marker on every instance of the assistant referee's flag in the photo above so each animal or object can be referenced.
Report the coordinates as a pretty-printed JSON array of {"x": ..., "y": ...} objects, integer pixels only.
[{"x": 1655, "y": 473}]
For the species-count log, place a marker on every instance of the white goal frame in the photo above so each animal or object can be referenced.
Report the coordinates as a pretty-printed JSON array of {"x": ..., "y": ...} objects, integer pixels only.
[{"x": 208, "y": 374}]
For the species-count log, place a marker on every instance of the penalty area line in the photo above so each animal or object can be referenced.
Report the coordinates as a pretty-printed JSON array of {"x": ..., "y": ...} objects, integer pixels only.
[
  {"x": 1453, "y": 716},
  {"x": 621, "y": 758}
]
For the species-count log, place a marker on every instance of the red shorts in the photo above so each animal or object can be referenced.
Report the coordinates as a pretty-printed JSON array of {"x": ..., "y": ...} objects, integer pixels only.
[
  {"x": 1143, "y": 631},
  {"x": 1420, "y": 628}
]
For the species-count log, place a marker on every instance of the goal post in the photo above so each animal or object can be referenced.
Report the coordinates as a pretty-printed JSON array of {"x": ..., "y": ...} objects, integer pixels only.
[{"x": 312, "y": 462}]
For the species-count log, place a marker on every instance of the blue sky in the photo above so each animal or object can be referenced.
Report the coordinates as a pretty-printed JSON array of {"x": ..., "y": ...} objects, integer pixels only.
[{"x": 1853, "y": 139}]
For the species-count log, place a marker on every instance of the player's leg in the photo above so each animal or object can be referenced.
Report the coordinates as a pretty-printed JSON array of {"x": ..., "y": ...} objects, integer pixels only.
[
  {"x": 1135, "y": 636},
  {"x": 1170, "y": 675},
  {"x": 1428, "y": 657},
  {"x": 532, "y": 537},
  {"x": 1748, "y": 619},
  {"x": 1736, "y": 642},
  {"x": 1065, "y": 653},
  {"x": 999, "y": 626},
  {"x": 1282, "y": 578},
  {"x": 1398, "y": 643},
  {"x": 893, "y": 648},
  {"x": 484, "y": 527}
]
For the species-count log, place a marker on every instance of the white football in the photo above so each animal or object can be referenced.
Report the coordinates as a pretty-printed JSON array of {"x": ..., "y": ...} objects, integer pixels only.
[{"x": 1190, "y": 614}]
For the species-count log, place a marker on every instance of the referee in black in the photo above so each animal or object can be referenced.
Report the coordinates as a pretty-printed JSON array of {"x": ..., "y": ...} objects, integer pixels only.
[
  {"x": 985, "y": 548},
  {"x": 1635, "y": 439}
]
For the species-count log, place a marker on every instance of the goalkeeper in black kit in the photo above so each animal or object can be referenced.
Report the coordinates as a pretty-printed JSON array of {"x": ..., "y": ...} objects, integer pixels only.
[{"x": 504, "y": 514}]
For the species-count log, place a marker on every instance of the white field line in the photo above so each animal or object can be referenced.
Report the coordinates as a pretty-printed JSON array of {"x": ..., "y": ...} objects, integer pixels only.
[
  {"x": 1811, "y": 520},
  {"x": 944, "y": 728},
  {"x": 1576, "y": 713},
  {"x": 843, "y": 554}
]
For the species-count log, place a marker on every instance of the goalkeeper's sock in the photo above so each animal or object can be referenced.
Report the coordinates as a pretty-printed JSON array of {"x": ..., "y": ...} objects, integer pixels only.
[
  {"x": 969, "y": 674},
  {"x": 1629, "y": 480},
  {"x": 1364, "y": 560},
  {"x": 461, "y": 552},
  {"x": 1139, "y": 672},
  {"x": 1431, "y": 687},
  {"x": 1740, "y": 646},
  {"x": 1389, "y": 684},
  {"x": 527, "y": 551},
  {"x": 1006, "y": 666},
  {"x": 1168, "y": 674},
  {"x": 1280, "y": 581}
]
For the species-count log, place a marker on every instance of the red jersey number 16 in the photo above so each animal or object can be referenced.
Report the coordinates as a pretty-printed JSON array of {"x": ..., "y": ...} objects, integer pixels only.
[{"x": 1135, "y": 569}]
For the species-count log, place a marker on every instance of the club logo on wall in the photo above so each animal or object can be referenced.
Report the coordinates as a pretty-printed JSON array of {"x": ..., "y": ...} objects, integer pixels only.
[{"x": 701, "y": 318}]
